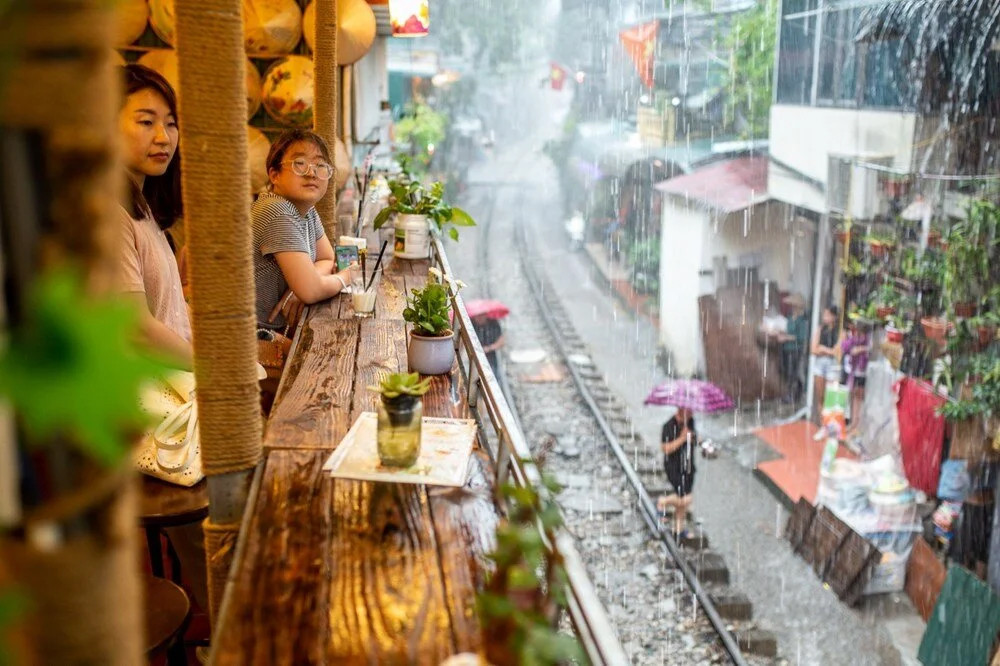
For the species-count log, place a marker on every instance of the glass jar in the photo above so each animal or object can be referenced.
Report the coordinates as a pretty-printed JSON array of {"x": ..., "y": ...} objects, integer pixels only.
[{"x": 398, "y": 434}]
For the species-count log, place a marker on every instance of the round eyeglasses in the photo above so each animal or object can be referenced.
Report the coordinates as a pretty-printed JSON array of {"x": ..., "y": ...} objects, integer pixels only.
[{"x": 300, "y": 167}]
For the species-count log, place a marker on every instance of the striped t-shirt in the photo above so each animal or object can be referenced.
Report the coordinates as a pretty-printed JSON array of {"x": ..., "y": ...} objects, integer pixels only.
[{"x": 278, "y": 226}]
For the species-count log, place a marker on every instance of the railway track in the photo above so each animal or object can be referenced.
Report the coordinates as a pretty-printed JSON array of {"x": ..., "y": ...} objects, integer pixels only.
[{"x": 590, "y": 443}]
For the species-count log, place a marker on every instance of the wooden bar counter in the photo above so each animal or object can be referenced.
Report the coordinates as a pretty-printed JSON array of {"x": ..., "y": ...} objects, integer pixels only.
[{"x": 332, "y": 571}]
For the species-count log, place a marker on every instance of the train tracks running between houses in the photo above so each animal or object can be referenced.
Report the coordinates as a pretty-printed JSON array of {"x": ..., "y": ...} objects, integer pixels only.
[{"x": 669, "y": 601}]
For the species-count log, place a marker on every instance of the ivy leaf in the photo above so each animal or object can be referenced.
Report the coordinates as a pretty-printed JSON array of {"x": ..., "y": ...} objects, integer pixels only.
[{"x": 71, "y": 368}]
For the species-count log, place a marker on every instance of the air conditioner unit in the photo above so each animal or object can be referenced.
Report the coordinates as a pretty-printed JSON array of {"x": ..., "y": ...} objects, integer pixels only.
[{"x": 852, "y": 185}]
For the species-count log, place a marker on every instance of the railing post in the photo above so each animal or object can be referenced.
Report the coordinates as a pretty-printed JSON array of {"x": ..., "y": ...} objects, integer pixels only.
[{"x": 504, "y": 446}]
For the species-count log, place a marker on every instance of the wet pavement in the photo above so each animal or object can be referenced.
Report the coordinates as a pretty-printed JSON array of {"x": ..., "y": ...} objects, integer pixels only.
[{"x": 744, "y": 521}]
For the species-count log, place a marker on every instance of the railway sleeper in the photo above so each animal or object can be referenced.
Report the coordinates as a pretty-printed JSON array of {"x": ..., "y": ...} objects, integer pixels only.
[{"x": 732, "y": 605}]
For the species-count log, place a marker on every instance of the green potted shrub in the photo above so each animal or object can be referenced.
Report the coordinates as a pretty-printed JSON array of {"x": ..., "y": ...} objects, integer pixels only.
[
  {"x": 520, "y": 605},
  {"x": 972, "y": 248},
  {"x": 419, "y": 210},
  {"x": 400, "y": 414},
  {"x": 431, "y": 349},
  {"x": 880, "y": 244}
]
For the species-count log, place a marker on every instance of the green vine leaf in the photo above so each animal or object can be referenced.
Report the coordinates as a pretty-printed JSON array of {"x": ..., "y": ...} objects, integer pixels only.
[{"x": 72, "y": 369}]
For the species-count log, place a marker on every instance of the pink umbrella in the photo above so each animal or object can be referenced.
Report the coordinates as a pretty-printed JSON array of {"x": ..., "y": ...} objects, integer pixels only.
[
  {"x": 482, "y": 306},
  {"x": 693, "y": 394}
]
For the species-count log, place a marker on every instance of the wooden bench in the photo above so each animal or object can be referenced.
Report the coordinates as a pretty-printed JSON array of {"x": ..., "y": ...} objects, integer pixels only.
[{"x": 338, "y": 571}]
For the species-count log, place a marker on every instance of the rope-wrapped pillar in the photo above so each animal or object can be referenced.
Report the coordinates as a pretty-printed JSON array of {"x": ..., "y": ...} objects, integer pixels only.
[
  {"x": 76, "y": 558},
  {"x": 217, "y": 220},
  {"x": 327, "y": 99}
]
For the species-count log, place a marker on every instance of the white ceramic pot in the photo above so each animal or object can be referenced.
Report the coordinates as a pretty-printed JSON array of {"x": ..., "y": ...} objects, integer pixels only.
[
  {"x": 413, "y": 238},
  {"x": 431, "y": 355}
]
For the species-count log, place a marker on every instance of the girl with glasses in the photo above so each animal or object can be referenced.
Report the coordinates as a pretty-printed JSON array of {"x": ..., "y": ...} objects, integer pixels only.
[{"x": 294, "y": 262}]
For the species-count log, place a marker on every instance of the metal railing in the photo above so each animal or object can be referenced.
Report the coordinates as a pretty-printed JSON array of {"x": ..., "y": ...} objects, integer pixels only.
[{"x": 509, "y": 452}]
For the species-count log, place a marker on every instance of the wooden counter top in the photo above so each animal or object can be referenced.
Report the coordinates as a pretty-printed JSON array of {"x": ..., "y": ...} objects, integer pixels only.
[{"x": 333, "y": 571}]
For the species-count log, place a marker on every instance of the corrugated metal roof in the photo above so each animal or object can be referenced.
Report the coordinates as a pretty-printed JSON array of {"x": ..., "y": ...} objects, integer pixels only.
[{"x": 726, "y": 186}]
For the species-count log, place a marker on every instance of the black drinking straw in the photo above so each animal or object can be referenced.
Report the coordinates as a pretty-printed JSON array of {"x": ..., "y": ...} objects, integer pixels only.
[
  {"x": 378, "y": 262},
  {"x": 364, "y": 192}
]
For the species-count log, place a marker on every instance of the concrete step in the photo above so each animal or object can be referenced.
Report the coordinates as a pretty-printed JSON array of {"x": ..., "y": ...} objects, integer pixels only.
[
  {"x": 733, "y": 605},
  {"x": 694, "y": 541},
  {"x": 759, "y": 642},
  {"x": 709, "y": 567}
]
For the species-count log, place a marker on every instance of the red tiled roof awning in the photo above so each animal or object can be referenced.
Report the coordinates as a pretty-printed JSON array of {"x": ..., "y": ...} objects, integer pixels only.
[{"x": 726, "y": 186}]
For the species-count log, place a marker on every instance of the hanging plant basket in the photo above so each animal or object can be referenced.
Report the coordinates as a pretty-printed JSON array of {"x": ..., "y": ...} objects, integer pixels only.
[
  {"x": 883, "y": 311},
  {"x": 984, "y": 336},
  {"x": 935, "y": 328},
  {"x": 880, "y": 249},
  {"x": 965, "y": 309}
]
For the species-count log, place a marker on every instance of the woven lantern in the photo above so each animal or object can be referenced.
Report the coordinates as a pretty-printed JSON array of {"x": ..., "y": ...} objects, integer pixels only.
[
  {"x": 164, "y": 61},
  {"x": 271, "y": 27},
  {"x": 259, "y": 146},
  {"x": 287, "y": 92},
  {"x": 355, "y": 29},
  {"x": 163, "y": 20},
  {"x": 410, "y": 18},
  {"x": 130, "y": 17},
  {"x": 341, "y": 164}
]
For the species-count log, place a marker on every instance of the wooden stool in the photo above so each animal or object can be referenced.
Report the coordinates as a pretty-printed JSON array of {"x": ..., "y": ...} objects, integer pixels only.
[
  {"x": 168, "y": 611},
  {"x": 162, "y": 505}
]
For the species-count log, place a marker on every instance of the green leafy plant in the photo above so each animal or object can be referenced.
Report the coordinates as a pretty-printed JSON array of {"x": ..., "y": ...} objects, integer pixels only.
[
  {"x": 972, "y": 248},
  {"x": 412, "y": 198},
  {"x": 402, "y": 383},
  {"x": 428, "y": 309},
  {"x": 423, "y": 129},
  {"x": 982, "y": 372},
  {"x": 520, "y": 604},
  {"x": 71, "y": 370},
  {"x": 14, "y": 603},
  {"x": 749, "y": 78}
]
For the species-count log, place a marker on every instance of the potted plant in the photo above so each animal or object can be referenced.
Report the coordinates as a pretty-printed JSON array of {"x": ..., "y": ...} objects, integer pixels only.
[
  {"x": 972, "y": 245},
  {"x": 880, "y": 244},
  {"x": 886, "y": 299},
  {"x": 431, "y": 350},
  {"x": 399, "y": 418},
  {"x": 520, "y": 604},
  {"x": 935, "y": 328},
  {"x": 418, "y": 210}
]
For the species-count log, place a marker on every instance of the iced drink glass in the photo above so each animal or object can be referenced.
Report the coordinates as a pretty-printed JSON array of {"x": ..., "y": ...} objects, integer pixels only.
[{"x": 363, "y": 290}]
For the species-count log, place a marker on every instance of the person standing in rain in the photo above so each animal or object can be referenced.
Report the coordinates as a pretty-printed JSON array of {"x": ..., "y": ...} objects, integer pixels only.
[
  {"x": 678, "y": 442},
  {"x": 793, "y": 345},
  {"x": 825, "y": 349},
  {"x": 490, "y": 336}
]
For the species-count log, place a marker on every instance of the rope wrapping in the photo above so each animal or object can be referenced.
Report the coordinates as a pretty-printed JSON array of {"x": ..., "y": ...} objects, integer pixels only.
[
  {"x": 84, "y": 592},
  {"x": 57, "y": 78},
  {"x": 327, "y": 96},
  {"x": 220, "y": 546},
  {"x": 216, "y": 184},
  {"x": 59, "y": 94}
]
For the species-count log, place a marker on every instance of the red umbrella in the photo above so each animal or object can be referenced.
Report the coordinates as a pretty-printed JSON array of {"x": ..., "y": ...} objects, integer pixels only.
[{"x": 482, "y": 306}]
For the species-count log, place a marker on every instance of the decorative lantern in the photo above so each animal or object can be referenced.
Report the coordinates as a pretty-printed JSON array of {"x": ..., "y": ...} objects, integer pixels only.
[
  {"x": 271, "y": 27},
  {"x": 258, "y": 147},
  {"x": 410, "y": 18},
  {"x": 163, "y": 20},
  {"x": 287, "y": 92},
  {"x": 164, "y": 61},
  {"x": 130, "y": 17},
  {"x": 355, "y": 29}
]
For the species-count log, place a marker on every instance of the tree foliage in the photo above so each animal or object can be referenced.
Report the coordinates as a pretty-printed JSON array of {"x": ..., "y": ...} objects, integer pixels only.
[{"x": 751, "y": 73}]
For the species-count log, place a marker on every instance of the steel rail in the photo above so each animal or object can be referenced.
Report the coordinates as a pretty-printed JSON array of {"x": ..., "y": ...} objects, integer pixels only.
[
  {"x": 511, "y": 457},
  {"x": 649, "y": 512}
]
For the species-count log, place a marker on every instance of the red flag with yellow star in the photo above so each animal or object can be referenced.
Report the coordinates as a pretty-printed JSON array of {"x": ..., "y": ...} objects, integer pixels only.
[
  {"x": 557, "y": 75},
  {"x": 640, "y": 44}
]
